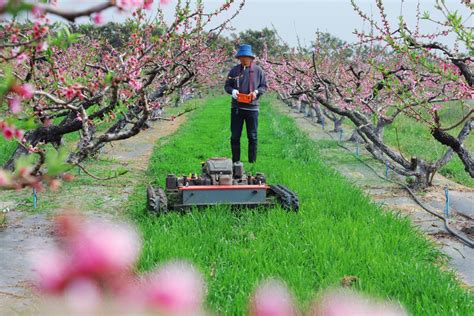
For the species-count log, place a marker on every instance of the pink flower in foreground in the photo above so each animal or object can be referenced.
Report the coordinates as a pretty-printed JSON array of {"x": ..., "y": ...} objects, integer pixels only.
[
  {"x": 37, "y": 12},
  {"x": 135, "y": 84},
  {"x": 104, "y": 249},
  {"x": 25, "y": 91},
  {"x": 83, "y": 296},
  {"x": 129, "y": 4},
  {"x": 52, "y": 271},
  {"x": 272, "y": 298},
  {"x": 21, "y": 58},
  {"x": 8, "y": 132},
  {"x": 147, "y": 4},
  {"x": 99, "y": 251},
  {"x": 19, "y": 134},
  {"x": 98, "y": 18},
  {"x": 54, "y": 184},
  {"x": 165, "y": 1},
  {"x": 175, "y": 288},
  {"x": 347, "y": 303},
  {"x": 68, "y": 92},
  {"x": 15, "y": 105},
  {"x": 43, "y": 46}
]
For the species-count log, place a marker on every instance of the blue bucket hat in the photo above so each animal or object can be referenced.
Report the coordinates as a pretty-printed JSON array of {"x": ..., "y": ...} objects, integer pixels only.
[{"x": 245, "y": 50}]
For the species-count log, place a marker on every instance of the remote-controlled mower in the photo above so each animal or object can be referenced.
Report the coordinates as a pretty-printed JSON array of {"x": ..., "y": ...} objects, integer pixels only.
[{"x": 221, "y": 183}]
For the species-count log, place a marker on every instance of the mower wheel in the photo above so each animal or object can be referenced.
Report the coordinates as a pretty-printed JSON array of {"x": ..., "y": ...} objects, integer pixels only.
[{"x": 156, "y": 200}]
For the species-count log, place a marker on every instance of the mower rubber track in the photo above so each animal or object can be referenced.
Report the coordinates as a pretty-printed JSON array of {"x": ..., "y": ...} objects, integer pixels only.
[
  {"x": 157, "y": 200},
  {"x": 287, "y": 198}
]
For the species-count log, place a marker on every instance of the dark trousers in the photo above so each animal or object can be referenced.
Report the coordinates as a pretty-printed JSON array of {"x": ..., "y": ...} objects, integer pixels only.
[{"x": 237, "y": 119}]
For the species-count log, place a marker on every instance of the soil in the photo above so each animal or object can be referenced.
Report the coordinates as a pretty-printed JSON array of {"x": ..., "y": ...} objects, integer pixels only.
[
  {"x": 23, "y": 232},
  {"x": 393, "y": 198}
]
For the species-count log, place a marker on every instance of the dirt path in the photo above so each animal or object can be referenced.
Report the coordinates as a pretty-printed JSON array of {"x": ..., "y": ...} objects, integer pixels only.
[
  {"x": 393, "y": 197},
  {"x": 24, "y": 232}
]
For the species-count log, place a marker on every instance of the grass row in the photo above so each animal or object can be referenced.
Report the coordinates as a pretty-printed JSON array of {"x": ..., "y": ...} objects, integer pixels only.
[
  {"x": 338, "y": 231},
  {"x": 6, "y": 149}
]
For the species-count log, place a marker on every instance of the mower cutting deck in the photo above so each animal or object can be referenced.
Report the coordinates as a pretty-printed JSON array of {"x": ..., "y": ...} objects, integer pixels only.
[{"x": 221, "y": 183}]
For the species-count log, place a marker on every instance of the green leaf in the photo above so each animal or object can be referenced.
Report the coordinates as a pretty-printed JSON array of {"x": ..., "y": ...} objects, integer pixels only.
[
  {"x": 109, "y": 77},
  {"x": 6, "y": 81},
  {"x": 25, "y": 161},
  {"x": 55, "y": 161}
]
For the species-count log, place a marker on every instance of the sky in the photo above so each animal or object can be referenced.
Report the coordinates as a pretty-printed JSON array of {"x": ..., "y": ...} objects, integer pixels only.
[{"x": 300, "y": 19}]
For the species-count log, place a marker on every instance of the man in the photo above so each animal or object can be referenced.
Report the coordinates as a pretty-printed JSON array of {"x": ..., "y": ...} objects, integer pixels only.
[{"x": 246, "y": 83}]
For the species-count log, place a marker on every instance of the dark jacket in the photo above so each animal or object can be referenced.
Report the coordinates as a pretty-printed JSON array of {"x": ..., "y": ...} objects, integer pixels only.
[{"x": 239, "y": 78}]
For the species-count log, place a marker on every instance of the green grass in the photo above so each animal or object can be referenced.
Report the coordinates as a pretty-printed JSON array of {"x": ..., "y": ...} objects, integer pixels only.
[
  {"x": 416, "y": 140},
  {"x": 337, "y": 232},
  {"x": 6, "y": 149}
]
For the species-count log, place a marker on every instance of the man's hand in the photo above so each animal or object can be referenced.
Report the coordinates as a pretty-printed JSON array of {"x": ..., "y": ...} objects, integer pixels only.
[
  {"x": 235, "y": 92},
  {"x": 254, "y": 94}
]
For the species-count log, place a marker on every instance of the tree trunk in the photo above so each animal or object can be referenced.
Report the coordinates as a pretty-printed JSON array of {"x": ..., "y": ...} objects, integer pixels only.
[
  {"x": 303, "y": 106},
  {"x": 318, "y": 112},
  {"x": 457, "y": 144},
  {"x": 296, "y": 105},
  {"x": 424, "y": 174},
  {"x": 379, "y": 131},
  {"x": 338, "y": 124},
  {"x": 355, "y": 137},
  {"x": 53, "y": 134},
  {"x": 49, "y": 134},
  {"x": 417, "y": 168}
]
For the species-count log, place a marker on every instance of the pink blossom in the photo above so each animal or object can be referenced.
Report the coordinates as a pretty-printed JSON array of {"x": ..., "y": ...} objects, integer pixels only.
[
  {"x": 88, "y": 250},
  {"x": 147, "y": 4},
  {"x": 43, "y": 46},
  {"x": 68, "y": 177},
  {"x": 3, "y": 3},
  {"x": 54, "y": 184},
  {"x": 69, "y": 92},
  {"x": 435, "y": 108},
  {"x": 8, "y": 132},
  {"x": 25, "y": 91},
  {"x": 98, "y": 18},
  {"x": 175, "y": 288},
  {"x": 37, "y": 12},
  {"x": 272, "y": 298},
  {"x": 21, "y": 58},
  {"x": 104, "y": 249},
  {"x": 19, "y": 134},
  {"x": 83, "y": 296},
  {"x": 14, "y": 38},
  {"x": 165, "y": 1},
  {"x": 52, "y": 271},
  {"x": 125, "y": 4},
  {"x": 16, "y": 51},
  {"x": 137, "y": 85},
  {"x": 14, "y": 104}
]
